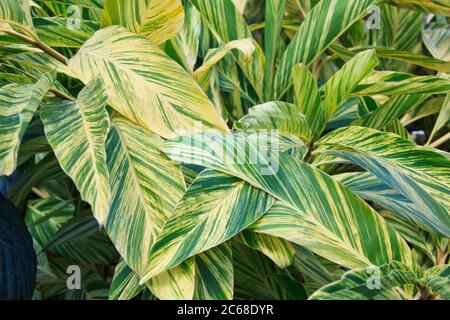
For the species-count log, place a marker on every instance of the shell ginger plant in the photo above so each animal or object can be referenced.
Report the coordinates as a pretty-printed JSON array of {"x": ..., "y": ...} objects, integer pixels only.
[{"x": 229, "y": 149}]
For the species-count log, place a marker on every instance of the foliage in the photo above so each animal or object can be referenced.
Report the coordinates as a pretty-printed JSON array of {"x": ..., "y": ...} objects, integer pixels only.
[{"x": 230, "y": 149}]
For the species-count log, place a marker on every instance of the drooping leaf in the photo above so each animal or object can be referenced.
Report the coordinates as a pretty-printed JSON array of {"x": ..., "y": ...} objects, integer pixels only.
[
  {"x": 18, "y": 103},
  {"x": 228, "y": 24},
  {"x": 77, "y": 132},
  {"x": 202, "y": 74},
  {"x": 420, "y": 174},
  {"x": 278, "y": 250}
]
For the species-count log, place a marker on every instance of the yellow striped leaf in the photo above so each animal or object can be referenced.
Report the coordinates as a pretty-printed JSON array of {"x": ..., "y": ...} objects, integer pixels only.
[
  {"x": 315, "y": 210},
  {"x": 18, "y": 103},
  {"x": 157, "y": 20},
  {"x": 209, "y": 214},
  {"x": 77, "y": 132},
  {"x": 143, "y": 84},
  {"x": 421, "y": 175}
]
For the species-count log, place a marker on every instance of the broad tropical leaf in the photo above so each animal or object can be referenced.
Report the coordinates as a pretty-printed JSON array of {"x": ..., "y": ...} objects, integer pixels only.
[
  {"x": 209, "y": 214},
  {"x": 158, "y": 20},
  {"x": 304, "y": 209},
  {"x": 280, "y": 116},
  {"x": 137, "y": 214},
  {"x": 214, "y": 274},
  {"x": 18, "y": 103},
  {"x": 326, "y": 21},
  {"x": 441, "y": 7},
  {"x": 420, "y": 174},
  {"x": 77, "y": 132},
  {"x": 151, "y": 90},
  {"x": 367, "y": 283}
]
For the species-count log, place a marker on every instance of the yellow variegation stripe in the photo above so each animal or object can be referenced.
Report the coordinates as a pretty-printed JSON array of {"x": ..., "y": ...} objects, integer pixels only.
[
  {"x": 175, "y": 284},
  {"x": 439, "y": 7},
  {"x": 323, "y": 24},
  {"x": 201, "y": 75},
  {"x": 228, "y": 24},
  {"x": 341, "y": 85},
  {"x": 367, "y": 283},
  {"x": 209, "y": 214},
  {"x": 77, "y": 132},
  {"x": 421, "y": 175},
  {"x": 280, "y": 116},
  {"x": 143, "y": 84},
  {"x": 16, "y": 13},
  {"x": 307, "y": 98},
  {"x": 316, "y": 210},
  {"x": 278, "y": 250},
  {"x": 139, "y": 173},
  {"x": 214, "y": 274},
  {"x": 158, "y": 20},
  {"x": 396, "y": 83},
  {"x": 18, "y": 103}
]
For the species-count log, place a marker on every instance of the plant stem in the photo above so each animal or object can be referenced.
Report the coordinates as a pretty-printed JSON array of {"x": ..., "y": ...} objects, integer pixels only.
[
  {"x": 38, "y": 44},
  {"x": 440, "y": 141}
]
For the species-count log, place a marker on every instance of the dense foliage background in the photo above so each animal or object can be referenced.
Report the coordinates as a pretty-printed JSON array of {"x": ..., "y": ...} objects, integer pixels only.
[{"x": 95, "y": 95}]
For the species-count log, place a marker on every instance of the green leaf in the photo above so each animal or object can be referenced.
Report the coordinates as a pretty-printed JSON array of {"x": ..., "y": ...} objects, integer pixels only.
[
  {"x": 18, "y": 103},
  {"x": 392, "y": 109},
  {"x": 443, "y": 118},
  {"x": 138, "y": 212},
  {"x": 343, "y": 83},
  {"x": 77, "y": 132},
  {"x": 215, "y": 274},
  {"x": 228, "y": 24},
  {"x": 436, "y": 38},
  {"x": 367, "y": 283},
  {"x": 438, "y": 279},
  {"x": 125, "y": 283},
  {"x": 278, "y": 250},
  {"x": 307, "y": 98},
  {"x": 158, "y": 20},
  {"x": 274, "y": 16},
  {"x": 396, "y": 83},
  {"x": 326, "y": 21},
  {"x": 209, "y": 214},
  {"x": 280, "y": 116},
  {"x": 439, "y": 7},
  {"x": 202, "y": 74},
  {"x": 143, "y": 84},
  {"x": 59, "y": 32},
  {"x": 420, "y": 174},
  {"x": 313, "y": 209},
  {"x": 16, "y": 13}
]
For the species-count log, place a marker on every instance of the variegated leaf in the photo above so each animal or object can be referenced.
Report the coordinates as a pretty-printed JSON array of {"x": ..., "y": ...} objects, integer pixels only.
[
  {"x": 305, "y": 209},
  {"x": 18, "y": 103},
  {"x": 420, "y": 174},
  {"x": 158, "y": 20},
  {"x": 77, "y": 132},
  {"x": 143, "y": 84},
  {"x": 280, "y": 116},
  {"x": 209, "y": 214}
]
